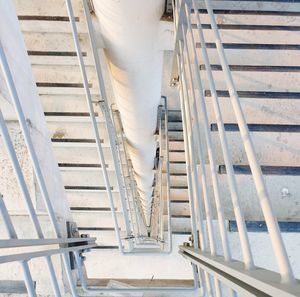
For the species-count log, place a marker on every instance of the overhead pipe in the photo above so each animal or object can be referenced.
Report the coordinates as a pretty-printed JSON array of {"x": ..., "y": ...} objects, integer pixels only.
[{"x": 130, "y": 29}]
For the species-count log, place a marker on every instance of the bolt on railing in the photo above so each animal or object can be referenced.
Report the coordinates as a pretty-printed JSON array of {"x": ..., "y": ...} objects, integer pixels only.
[{"x": 198, "y": 141}]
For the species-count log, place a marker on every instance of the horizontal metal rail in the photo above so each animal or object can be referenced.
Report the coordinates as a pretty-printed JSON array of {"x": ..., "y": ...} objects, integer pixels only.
[
  {"x": 13, "y": 243},
  {"x": 31, "y": 255},
  {"x": 257, "y": 282}
]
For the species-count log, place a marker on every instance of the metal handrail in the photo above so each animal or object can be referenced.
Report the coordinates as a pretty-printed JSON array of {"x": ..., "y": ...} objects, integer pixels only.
[
  {"x": 127, "y": 172},
  {"x": 187, "y": 69},
  {"x": 159, "y": 203},
  {"x": 26, "y": 196}
]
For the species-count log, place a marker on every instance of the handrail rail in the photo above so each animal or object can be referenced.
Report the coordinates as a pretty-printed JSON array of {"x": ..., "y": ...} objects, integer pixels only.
[{"x": 195, "y": 118}]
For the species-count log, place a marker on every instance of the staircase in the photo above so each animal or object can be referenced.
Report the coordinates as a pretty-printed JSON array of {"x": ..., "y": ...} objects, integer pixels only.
[
  {"x": 48, "y": 37},
  {"x": 181, "y": 224},
  {"x": 261, "y": 41}
]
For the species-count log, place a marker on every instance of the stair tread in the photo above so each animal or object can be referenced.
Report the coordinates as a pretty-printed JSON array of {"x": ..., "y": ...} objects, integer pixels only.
[{"x": 151, "y": 282}]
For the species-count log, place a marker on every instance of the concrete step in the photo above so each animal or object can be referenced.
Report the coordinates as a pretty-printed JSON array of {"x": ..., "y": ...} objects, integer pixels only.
[
  {"x": 65, "y": 103},
  {"x": 282, "y": 192},
  {"x": 175, "y": 135},
  {"x": 178, "y": 167},
  {"x": 174, "y": 115},
  {"x": 48, "y": 8},
  {"x": 64, "y": 90},
  {"x": 178, "y": 180},
  {"x": 254, "y": 17},
  {"x": 24, "y": 227},
  {"x": 178, "y": 194},
  {"x": 259, "y": 80},
  {"x": 180, "y": 208},
  {"x": 103, "y": 237},
  {"x": 69, "y": 58},
  {"x": 81, "y": 155},
  {"x": 75, "y": 130},
  {"x": 87, "y": 178},
  {"x": 176, "y": 123},
  {"x": 287, "y": 6},
  {"x": 58, "y": 42},
  {"x": 91, "y": 198},
  {"x": 44, "y": 25},
  {"x": 101, "y": 219},
  {"x": 179, "y": 223},
  {"x": 237, "y": 34},
  {"x": 237, "y": 55},
  {"x": 257, "y": 110},
  {"x": 62, "y": 73},
  {"x": 144, "y": 282},
  {"x": 177, "y": 156},
  {"x": 283, "y": 145},
  {"x": 176, "y": 145}
]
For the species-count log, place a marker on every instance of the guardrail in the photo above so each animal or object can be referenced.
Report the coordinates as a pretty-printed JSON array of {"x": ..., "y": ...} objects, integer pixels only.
[
  {"x": 137, "y": 218},
  {"x": 161, "y": 205},
  {"x": 203, "y": 254},
  {"x": 24, "y": 257},
  {"x": 132, "y": 213}
]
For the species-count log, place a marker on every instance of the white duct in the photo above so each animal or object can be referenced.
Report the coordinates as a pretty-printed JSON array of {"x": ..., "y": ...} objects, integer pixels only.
[{"x": 130, "y": 31}]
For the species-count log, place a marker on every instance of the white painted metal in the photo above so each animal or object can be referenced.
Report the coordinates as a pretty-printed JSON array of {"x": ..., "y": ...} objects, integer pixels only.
[
  {"x": 278, "y": 245},
  {"x": 186, "y": 45},
  {"x": 231, "y": 179},
  {"x": 109, "y": 123},
  {"x": 23, "y": 258}
]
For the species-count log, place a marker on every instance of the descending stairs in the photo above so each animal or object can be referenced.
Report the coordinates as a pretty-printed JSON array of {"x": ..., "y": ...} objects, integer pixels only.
[
  {"x": 180, "y": 210},
  {"x": 262, "y": 46},
  {"x": 47, "y": 34}
]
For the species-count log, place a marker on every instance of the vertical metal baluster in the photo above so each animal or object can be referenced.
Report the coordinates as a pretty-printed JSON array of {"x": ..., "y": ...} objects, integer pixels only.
[
  {"x": 25, "y": 193},
  {"x": 103, "y": 95},
  {"x": 13, "y": 235},
  {"x": 94, "y": 123},
  {"x": 271, "y": 221}
]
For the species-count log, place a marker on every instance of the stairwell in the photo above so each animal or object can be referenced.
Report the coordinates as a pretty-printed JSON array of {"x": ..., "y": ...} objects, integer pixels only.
[{"x": 261, "y": 41}]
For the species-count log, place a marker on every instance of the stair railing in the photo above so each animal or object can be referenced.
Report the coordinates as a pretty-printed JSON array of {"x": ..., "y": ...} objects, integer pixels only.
[
  {"x": 161, "y": 205},
  {"x": 131, "y": 210},
  {"x": 108, "y": 122},
  {"x": 137, "y": 217},
  {"x": 60, "y": 244},
  {"x": 219, "y": 270}
]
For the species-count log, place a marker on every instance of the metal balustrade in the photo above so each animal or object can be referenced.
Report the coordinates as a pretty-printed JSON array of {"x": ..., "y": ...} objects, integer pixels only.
[
  {"x": 161, "y": 205},
  {"x": 73, "y": 248},
  {"x": 214, "y": 272},
  {"x": 25, "y": 257},
  {"x": 219, "y": 270},
  {"x": 137, "y": 218}
]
